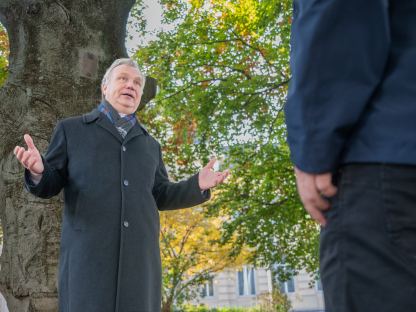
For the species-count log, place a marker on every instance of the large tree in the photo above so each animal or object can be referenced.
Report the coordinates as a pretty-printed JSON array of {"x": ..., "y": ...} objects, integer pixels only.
[
  {"x": 224, "y": 72},
  {"x": 58, "y": 53}
]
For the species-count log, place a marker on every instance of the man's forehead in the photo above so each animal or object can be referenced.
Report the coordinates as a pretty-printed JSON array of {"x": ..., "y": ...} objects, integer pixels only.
[{"x": 129, "y": 70}]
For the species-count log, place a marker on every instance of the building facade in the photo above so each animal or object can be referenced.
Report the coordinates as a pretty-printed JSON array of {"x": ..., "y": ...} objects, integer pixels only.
[{"x": 246, "y": 286}]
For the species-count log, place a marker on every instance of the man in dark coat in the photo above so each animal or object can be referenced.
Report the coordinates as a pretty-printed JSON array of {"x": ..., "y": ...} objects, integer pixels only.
[
  {"x": 351, "y": 115},
  {"x": 114, "y": 182}
]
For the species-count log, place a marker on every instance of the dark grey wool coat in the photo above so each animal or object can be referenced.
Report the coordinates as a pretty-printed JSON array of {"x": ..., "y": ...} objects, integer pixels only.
[{"x": 113, "y": 188}]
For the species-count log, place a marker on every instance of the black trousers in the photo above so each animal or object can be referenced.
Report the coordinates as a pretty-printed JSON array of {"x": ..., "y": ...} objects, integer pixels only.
[{"x": 368, "y": 247}]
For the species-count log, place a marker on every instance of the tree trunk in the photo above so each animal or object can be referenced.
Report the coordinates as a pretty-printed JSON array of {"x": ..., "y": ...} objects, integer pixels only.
[
  {"x": 166, "y": 306},
  {"x": 59, "y": 50}
]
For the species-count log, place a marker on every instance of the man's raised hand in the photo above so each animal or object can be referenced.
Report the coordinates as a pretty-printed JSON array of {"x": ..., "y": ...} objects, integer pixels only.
[
  {"x": 208, "y": 178},
  {"x": 30, "y": 158}
]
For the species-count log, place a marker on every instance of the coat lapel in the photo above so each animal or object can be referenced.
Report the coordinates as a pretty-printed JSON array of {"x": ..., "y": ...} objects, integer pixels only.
[
  {"x": 103, "y": 122},
  {"x": 106, "y": 124},
  {"x": 135, "y": 131}
]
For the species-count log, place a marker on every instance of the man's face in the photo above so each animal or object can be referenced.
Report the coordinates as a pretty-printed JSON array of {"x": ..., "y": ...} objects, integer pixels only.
[{"x": 123, "y": 89}]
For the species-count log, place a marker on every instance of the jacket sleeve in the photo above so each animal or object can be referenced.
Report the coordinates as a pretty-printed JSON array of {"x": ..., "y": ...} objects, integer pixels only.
[
  {"x": 169, "y": 195},
  {"x": 339, "y": 52},
  {"x": 54, "y": 176}
]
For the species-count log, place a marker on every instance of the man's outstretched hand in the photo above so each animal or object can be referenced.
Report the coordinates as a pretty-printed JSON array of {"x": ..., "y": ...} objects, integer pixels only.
[
  {"x": 30, "y": 158},
  {"x": 208, "y": 178},
  {"x": 314, "y": 191}
]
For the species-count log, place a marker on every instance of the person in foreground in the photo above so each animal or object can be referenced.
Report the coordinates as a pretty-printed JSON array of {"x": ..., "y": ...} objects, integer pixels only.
[
  {"x": 350, "y": 116},
  {"x": 114, "y": 182}
]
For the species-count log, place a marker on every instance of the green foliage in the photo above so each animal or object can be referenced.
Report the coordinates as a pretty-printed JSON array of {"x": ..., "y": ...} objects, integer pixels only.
[
  {"x": 136, "y": 27},
  {"x": 279, "y": 305},
  {"x": 274, "y": 302},
  {"x": 223, "y": 73},
  {"x": 4, "y": 54},
  {"x": 202, "y": 308}
]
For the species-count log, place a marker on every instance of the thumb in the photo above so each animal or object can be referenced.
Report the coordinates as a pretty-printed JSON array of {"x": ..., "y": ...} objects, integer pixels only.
[
  {"x": 211, "y": 163},
  {"x": 29, "y": 142}
]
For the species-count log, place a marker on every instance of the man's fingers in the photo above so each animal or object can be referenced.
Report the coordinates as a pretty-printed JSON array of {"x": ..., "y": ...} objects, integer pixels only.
[
  {"x": 316, "y": 214},
  {"x": 324, "y": 185},
  {"x": 25, "y": 158},
  {"x": 210, "y": 164},
  {"x": 16, "y": 150},
  {"x": 29, "y": 142},
  {"x": 222, "y": 177},
  {"x": 225, "y": 174},
  {"x": 19, "y": 153},
  {"x": 314, "y": 199},
  {"x": 30, "y": 163},
  {"x": 314, "y": 204},
  {"x": 310, "y": 196}
]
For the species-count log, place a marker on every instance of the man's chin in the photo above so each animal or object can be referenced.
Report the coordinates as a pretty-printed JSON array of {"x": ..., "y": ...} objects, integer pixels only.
[{"x": 126, "y": 107}]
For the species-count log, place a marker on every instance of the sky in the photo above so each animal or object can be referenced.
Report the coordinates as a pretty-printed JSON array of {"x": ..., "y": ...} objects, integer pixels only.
[{"x": 153, "y": 15}]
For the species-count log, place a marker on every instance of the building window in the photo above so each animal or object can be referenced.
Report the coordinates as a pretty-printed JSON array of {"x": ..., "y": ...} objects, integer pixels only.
[
  {"x": 246, "y": 281},
  {"x": 283, "y": 278},
  {"x": 207, "y": 289},
  {"x": 287, "y": 286}
]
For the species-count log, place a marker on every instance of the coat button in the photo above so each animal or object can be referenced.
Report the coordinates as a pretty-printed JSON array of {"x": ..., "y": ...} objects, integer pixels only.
[
  {"x": 126, "y": 182},
  {"x": 126, "y": 224},
  {"x": 124, "y": 148}
]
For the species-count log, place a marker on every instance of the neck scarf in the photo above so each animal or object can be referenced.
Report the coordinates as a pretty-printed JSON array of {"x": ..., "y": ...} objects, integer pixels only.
[{"x": 122, "y": 124}]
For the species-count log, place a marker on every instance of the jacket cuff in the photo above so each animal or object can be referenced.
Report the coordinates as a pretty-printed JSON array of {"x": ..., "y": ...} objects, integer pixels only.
[
  {"x": 36, "y": 188},
  {"x": 203, "y": 195}
]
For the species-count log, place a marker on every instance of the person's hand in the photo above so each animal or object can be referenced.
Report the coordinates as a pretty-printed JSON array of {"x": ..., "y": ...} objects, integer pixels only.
[
  {"x": 208, "y": 178},
  {"x": 314, "y": 189},
  {"x": 30, "y": 158}
]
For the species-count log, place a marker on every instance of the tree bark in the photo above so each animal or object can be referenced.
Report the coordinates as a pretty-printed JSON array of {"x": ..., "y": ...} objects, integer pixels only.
[
  {"x": 59, "y": 50},
  {"x": 167, "y": 306}
]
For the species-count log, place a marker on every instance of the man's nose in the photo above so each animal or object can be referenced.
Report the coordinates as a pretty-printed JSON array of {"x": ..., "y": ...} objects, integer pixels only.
[{"x": 130, "y": 84}]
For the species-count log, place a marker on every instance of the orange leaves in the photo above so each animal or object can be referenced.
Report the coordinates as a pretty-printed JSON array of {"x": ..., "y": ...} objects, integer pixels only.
[
  {"x": 183, "y": 133},
  {"x": 184, "y": 130}
]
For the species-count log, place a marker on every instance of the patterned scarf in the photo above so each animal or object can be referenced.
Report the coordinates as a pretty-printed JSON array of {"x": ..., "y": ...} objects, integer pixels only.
[{"x": 122, "y": 124}]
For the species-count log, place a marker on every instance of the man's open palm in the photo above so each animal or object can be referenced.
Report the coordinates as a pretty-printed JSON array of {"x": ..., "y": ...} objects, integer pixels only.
[
  {"x": 30, "y": 158},
  {"x": 208, "y": 178}
]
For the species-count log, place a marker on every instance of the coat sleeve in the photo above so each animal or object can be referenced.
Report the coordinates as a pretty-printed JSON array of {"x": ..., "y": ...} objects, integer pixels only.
[
  {"x": 339, "y": 52},
  {"x": 54, "y": 176},
  {"x": 169, "y": 195}
]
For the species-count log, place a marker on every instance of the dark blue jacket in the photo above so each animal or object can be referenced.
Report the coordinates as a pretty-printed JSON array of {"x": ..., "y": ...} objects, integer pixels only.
[{"x": 352, "y": 97}]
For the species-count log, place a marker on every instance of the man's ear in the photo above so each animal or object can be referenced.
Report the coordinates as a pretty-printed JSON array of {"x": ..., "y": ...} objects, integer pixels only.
[{"x": 103, "y": 89}]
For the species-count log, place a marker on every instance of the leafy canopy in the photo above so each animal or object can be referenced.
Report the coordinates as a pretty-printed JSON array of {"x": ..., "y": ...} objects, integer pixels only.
[{"x": 223, "y": 72}]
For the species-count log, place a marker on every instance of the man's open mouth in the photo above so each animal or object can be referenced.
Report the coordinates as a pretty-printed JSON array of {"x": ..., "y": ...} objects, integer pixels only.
[{"x": 129, "y": 95}]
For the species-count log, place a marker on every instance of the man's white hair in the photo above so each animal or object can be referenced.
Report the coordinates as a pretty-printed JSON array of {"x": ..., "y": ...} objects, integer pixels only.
[{"x": 123, "y": 61}]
